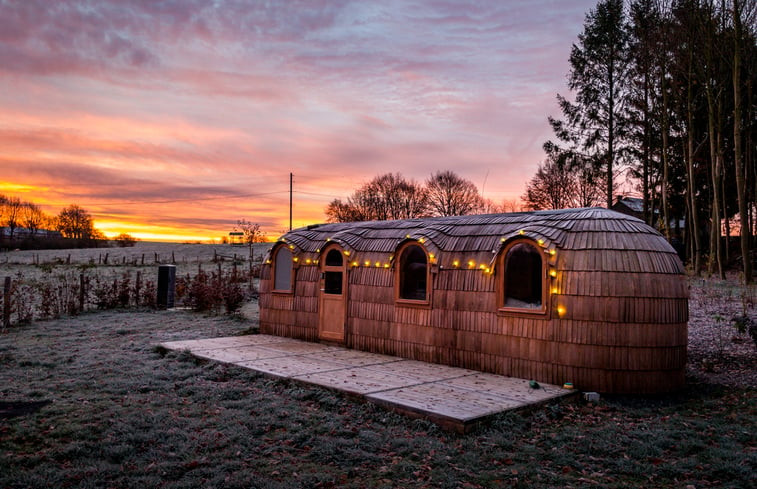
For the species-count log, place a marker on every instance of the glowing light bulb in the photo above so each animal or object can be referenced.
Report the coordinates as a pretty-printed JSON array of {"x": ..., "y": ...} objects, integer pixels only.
[
  {"x": 553, "y": 273},
  {"x": 554, "y": 290},
  {"x": 346, "y": 253},
  {"x": 472, "y": 264},
  {"x": 354, "y": 263},
  {"x": 456, "y": 263},
  {"x": 560, "y": 310},
  {"x": 367, "y": 263}
]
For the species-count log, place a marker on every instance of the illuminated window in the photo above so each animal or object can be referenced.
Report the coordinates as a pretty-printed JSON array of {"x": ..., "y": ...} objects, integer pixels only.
[
  {"x": 413, "y": 274},
  {"x": 523, "y": 277},
  {"x": 282, "y": 270}
]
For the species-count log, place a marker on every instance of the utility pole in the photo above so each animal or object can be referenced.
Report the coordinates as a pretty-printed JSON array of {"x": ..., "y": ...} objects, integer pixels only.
[{"x": 290, "y": 200}]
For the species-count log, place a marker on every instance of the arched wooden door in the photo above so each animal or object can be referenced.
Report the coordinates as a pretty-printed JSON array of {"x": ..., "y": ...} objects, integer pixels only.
[{"x": 332, "y": 300}]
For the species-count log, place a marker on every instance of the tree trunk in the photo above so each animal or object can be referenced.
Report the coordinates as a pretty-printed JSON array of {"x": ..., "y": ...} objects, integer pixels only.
[
  {"x": 647, "y": 151},
  {"x": 716, "y": 253},
  {"x": 610, "y": 134},
  {"x": 689, "y": 155},
  {"x": 665, "y": 161},
  {"x": 737, "y": 152}
]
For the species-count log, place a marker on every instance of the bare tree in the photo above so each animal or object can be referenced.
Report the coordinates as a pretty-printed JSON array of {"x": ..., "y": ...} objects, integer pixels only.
[
  {"x": 553, "y": 187},
  {"x": 32, "y": 217},
  {"x": 451, "y": 195},
  {"x": 388, "y": 196},
  {"x": 75, "y": 222},
  {"x": 251, "y": 233},
  {"x": 13, "y": 207}
]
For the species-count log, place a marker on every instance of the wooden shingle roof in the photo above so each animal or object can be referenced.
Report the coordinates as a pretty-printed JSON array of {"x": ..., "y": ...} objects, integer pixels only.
[{"x": 614, "y": 241}]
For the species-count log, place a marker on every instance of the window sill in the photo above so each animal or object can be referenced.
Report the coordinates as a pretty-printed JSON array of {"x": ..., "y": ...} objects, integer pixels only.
[
  {"x": 522, "y": 312},
  {"x": 282, "y": 292},
  {"x": 421, "y": 304}
]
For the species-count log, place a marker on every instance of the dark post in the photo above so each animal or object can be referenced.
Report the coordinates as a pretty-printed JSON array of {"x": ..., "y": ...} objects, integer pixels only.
[
  {"x": 7, "y": 303},
  {"x": 166, "y": 286},
  {"x": 137, "y": 286},
  {"x": 82, "y": 292}
]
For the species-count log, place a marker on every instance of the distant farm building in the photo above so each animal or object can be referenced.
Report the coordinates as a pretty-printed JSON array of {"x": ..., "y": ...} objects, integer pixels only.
[
  {"x": 25, "y": 233},
  {"x": 236, "y": 238},
  {"x": 588, "y": 296}
]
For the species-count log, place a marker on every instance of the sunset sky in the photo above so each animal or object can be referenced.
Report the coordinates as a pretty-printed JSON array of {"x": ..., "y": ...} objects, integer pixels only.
[{"x": 171, "y": 120}]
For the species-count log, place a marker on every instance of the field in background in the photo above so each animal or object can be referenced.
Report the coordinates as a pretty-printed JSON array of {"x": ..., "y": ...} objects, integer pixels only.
[
  {"x": 54, "y": 283},
  {"x": 143, "y": 254}
]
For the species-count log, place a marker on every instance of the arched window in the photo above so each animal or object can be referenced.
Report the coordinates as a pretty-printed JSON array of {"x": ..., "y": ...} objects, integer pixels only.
[
  {"x": 413, "y": 274},
  {"x": 282, "y": 270},
  {"x": 523, "y": 277},
  {"x": 333, "y": 273}
]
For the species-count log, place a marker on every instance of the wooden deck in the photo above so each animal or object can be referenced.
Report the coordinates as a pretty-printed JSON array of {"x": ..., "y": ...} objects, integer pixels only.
[{"x": 454, "y": 398}]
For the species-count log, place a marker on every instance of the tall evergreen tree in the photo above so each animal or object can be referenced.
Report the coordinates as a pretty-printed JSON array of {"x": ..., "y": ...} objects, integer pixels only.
[{"x": 593, "y": 125}]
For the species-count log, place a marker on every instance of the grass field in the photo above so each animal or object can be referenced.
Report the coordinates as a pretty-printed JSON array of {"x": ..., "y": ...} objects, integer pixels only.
[
  {"x": 124, "y": 414},
  {"x": 90, "y": 402}
]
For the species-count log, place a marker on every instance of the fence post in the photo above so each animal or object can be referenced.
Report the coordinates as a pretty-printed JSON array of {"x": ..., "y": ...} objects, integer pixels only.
[
  {"x": 137, "y": 287},
  {"x": 7, "y": 303},
  {"x": 82, "y": 292}
]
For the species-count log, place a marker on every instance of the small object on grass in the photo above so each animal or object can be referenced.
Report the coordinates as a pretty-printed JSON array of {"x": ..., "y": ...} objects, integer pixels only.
[
  {"x": 567, "y": 385},
  {"x": 591, "y": 396},
  {"x": 533, "y": 384}
]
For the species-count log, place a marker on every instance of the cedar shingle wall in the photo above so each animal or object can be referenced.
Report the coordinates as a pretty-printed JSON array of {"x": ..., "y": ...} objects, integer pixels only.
[{"x": 621, "y": 286}]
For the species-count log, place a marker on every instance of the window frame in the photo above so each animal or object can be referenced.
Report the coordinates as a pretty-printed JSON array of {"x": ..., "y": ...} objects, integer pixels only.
[
  {"x": 325, "y": 268},
  {"x": 274, "y": 258},
  {"x": 501, "y": 277},
  {"x": 425, "y": 303}
]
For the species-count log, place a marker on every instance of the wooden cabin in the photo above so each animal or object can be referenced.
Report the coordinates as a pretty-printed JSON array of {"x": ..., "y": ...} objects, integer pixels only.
[{"x": 587, "y": 296}]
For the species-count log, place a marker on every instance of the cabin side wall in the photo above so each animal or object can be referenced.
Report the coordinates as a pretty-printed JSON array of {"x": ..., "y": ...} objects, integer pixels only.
[
  {"x": 292, "y": 315},
  {"x": 619, "y": 331}
]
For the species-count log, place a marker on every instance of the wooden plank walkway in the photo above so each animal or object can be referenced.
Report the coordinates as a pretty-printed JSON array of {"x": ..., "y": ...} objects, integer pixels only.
[{"x": 454, "y": 398}]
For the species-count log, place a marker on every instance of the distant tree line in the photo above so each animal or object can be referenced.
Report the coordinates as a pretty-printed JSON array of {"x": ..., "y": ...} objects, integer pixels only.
[
  {"x": 392, "y": 196},
  {"x": 665, "y": 92},
  {"x": 74, "y": 224}
]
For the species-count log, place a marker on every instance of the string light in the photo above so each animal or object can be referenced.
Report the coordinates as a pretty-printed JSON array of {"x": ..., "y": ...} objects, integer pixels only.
[
  {"x": 560, "y": 310},
  {"x": 554, "y": 290},
  {"x": 456, "y": 263},
  {"x": 553, "y": 273},
  {"x": 346, "y": 252},
  {"x": 367, "y": 263},
  {"x": 471, "y": 264},
  {"x": 355, "y": 263}
]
